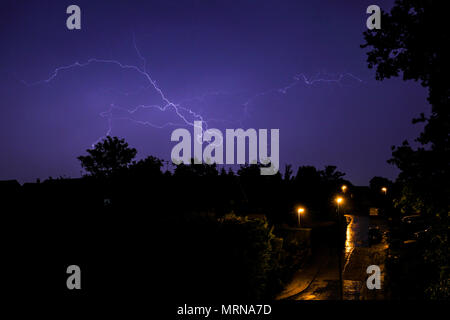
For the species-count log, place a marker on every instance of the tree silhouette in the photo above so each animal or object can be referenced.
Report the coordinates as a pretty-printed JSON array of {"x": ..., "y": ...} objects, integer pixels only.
[
  {"x": 330, "y": 174},
  {"x": 376, "y": 183},
  {"x": 196, "y": 170},
  {"x": 148, "y": 167},
  {"x": 107, "y": 157},
  {"x": 414, "y": 41},
  {"x": 288, "y": 172}
]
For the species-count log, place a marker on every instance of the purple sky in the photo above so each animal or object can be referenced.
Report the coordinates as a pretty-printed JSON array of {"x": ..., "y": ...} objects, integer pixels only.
[{"x": 210, "y": 57}]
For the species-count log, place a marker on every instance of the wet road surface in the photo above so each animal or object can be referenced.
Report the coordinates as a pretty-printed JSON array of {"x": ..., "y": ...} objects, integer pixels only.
[{"x": 356, "y": 257}]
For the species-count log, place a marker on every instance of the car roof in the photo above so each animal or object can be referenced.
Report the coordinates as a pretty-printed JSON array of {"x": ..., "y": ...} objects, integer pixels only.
[{"x": 415, "y": 216}]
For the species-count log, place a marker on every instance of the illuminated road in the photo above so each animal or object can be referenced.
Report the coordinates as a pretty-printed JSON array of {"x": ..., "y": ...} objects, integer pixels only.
[
  {"x": 357, "y": 236},
  {"x": 357, "y": 256}
]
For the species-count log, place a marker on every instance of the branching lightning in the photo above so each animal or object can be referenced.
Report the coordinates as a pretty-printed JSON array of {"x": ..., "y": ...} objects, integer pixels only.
[
  {"x": 302, "y": 78},
  {"x": 185, "y": 114}
]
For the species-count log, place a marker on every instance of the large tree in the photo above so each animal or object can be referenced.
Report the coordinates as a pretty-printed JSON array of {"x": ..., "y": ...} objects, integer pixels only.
[
  {"x": 107, "y": 157},
  {"x": 414, "y": 41}
]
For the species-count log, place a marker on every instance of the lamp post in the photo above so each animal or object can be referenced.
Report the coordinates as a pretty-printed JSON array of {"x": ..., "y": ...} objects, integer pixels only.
[
  {"x": 344, "y": 188},
  {"x": 384, "y": 189},
  {"x": 299, "y": 212},
  {"x": 339, "y": 200}
]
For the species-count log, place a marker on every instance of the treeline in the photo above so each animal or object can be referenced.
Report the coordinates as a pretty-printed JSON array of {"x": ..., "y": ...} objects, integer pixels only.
[{"x": 207, "y": 189}]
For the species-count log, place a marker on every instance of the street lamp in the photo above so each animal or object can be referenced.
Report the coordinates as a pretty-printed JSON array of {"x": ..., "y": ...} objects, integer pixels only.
[
  {"x": 300, "y": 210},
  {"x": 384, "y": 189},
  {"x": 344, "y": 188},
  {"x": 339, "y": 200}
]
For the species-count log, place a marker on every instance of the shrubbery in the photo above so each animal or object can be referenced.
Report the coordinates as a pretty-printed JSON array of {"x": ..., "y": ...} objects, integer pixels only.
[{"x": 232, "y": 257}]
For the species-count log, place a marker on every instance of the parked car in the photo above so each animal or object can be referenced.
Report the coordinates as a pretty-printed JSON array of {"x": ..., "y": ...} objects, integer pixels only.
[
  {"x": 411, "y": 219},
  {"x": 422, "y": 234},
  {"x": 412, "y": 224}
]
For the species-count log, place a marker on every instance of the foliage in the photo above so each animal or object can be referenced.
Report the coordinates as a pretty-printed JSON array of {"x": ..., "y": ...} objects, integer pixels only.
[
  {"x": 220, "y": 254},
  {"x": 376, "y": 183},
  {"x": 233, "y": 256},
  {"x": 148, "y": 167},
  {"x": 107, "y": 157},
  {"x": 196, "y": 170},
  {"x": 414, "y": 40},
  {"x": 249, "y": 251},
  {"x": 438, "y": 255},
  {"x": 330, "y": 174}
]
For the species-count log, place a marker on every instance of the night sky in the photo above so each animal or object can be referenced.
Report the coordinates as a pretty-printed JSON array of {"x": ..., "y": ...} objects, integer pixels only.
[{"x": 223, "y": 60}]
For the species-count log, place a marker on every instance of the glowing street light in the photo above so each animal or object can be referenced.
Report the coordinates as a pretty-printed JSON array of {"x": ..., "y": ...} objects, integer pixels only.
[
  {"x": 300, "y": 210},
  {"x": 344, "y": 188},
  {"x": 340, "y": 200},
  {"x": 384, "y": 189}
]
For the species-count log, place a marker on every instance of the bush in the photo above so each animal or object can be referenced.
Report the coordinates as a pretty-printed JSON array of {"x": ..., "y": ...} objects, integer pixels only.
[
  {"x": 249, "y": 255},
  {"x": 232, "y": 257}
]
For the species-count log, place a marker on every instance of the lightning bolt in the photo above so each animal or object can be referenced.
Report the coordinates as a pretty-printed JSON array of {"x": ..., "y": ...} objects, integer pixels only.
[
  {"x": 302, "y": 78},
  {"x": 186, "y": 115}
]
